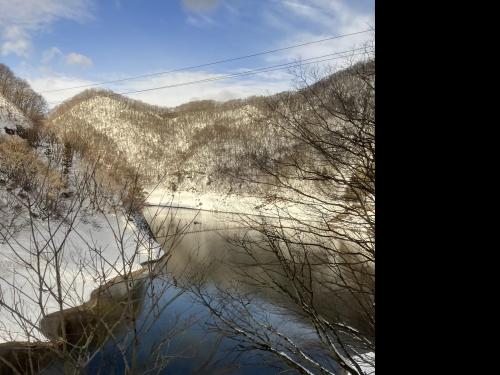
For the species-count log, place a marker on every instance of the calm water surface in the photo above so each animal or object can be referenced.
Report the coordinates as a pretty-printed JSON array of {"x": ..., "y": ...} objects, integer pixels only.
[{"x": 171, "y": 329}]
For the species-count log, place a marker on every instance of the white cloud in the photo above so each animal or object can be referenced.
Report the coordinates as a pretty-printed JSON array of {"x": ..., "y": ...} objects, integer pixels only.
[
  {"x": 20, "y": 47},
  {"x": 50, "y": 54},
  {"x": 199, "y": 11},
  {"x": 264, "y": 84},
  {"x": 200, "y": 20},
  {"x": 222, "y": 90},
  {"x": 74, "y": 58},
  {"x": 54, "y": 54},
  {"x": 319, "y": 19},
  {"x": 15, "y": 41},
  {"x": 56, "y": 82},
  {"x": 200, "y": 5},
  {"x": 20, "y": 19}
]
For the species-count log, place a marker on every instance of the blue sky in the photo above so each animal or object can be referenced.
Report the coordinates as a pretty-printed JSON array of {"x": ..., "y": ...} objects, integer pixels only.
[{"x": 63, "y": 43}]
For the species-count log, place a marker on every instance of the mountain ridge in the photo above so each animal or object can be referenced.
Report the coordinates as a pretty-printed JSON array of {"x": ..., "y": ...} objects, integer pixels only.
[{"x": 205, "y": 145}]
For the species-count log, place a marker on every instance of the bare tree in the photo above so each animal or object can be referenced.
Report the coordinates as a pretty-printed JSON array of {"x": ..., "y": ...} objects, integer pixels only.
[
  {"x": 51, "y": 264},
  {"x": 19, "y": 92},
  {"x": 311, "y": 252},
  {"x": 317, "y": 252}
]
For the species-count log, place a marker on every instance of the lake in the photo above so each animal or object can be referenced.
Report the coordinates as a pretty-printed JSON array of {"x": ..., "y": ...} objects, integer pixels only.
[{"x": 171, "y": 324}]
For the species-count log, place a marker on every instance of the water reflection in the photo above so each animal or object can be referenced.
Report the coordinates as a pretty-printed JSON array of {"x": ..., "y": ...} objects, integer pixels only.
[
  {"x": 225, "y": 252},
  {"x": 160, "y": 321},
  {"x": 174, "y": 337}
]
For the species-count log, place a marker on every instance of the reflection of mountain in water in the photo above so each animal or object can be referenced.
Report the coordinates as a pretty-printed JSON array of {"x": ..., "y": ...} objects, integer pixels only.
[{"x": 212, "y": 248}]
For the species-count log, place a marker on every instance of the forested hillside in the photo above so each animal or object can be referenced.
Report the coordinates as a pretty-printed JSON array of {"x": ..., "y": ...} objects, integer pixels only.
[
  {"x": 12, "y": 119},
  {"x": 18, "y": 92},
  {"x": 196, "y": 144},
  {"x": 206, "y": 146}
]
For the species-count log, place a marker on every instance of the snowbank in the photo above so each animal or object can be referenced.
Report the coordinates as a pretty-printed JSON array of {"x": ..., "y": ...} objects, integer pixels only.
[
  {"x": 235, "y": 203},
  {"x": 90, "y": 250},
  {"x": 366, "y": 362},
  {"x": 209, "y": 201}
]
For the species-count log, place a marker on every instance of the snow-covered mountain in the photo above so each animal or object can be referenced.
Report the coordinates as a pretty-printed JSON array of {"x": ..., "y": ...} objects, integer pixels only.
[
  {"x": 213, "y": 148},
  {"x": 196, "y": 145}
]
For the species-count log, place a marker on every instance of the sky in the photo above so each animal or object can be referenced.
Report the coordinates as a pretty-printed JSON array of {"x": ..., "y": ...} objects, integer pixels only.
[{"x": 56, "y": 44}]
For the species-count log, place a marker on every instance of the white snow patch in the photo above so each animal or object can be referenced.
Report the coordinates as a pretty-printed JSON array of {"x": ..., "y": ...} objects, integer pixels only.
[
  {"x": 93, "y": 241},
  {"x": 366, "y": 362}
]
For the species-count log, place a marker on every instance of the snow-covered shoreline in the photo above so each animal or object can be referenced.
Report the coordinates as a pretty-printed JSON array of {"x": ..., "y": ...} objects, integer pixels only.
[
  {"x": 108, "y": 244},
  {"x": 238, "y": 204},
  {"x": 207, "y": 201}
]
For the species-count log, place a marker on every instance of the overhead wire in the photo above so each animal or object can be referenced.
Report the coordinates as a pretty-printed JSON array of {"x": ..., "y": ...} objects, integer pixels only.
[
  {"x": 208, "y": 64},
  {"x": 304, "y": 62},
  {"x": 252, "y": 72}
]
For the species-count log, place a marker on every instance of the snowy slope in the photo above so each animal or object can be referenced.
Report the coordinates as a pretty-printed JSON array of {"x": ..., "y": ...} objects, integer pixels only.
[
  {"x": 11, "y": 117},
  {"x": 189, "y": 153},
  {"x": 81, "y": 235},
  {"x": 93, "y": 246},
  {"x": 105, "y": 115},
  {"x": 194, "y": 146}
]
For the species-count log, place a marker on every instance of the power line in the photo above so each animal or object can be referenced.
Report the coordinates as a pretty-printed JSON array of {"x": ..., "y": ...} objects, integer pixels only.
[
  {"x": 304, "y": 62},
  {"x": 210, "y": 63},
  {"x": 250, "y": 72}
]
